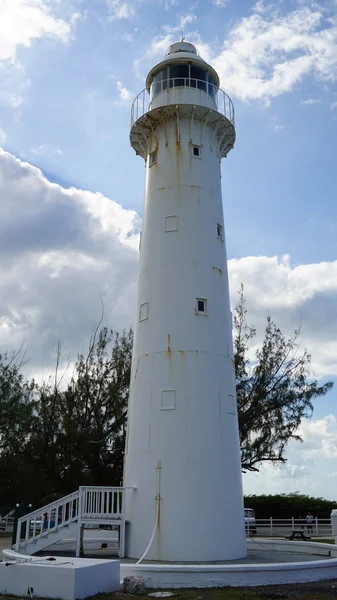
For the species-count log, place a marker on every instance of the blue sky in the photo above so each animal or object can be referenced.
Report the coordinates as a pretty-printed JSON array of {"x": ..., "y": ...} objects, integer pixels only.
[{"x": 69, "y": 70}]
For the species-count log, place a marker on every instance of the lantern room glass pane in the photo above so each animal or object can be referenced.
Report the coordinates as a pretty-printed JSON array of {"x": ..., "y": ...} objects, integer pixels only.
[
  {"x": 159, "y": 82},
  {"x": 179, "y": 75},
  {"x": 198, "y": 78},
  {"x": 183, "y": 75}
]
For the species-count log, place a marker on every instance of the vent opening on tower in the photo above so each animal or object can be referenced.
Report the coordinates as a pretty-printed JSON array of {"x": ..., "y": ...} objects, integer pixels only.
[
  {"x": 219, "y": 231},
  {"x": 196, "y": 151}
]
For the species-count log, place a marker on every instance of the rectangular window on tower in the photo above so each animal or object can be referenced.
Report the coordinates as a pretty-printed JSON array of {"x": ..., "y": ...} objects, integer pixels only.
[
  {"x": 144, "y": 311},
  {"x": 201, "y": 307},
  {"x": 168, "y": 399},
  {"x": 196, "y": 151},
  {"x": 219, "y": 231},
  {"x": 153, "y": 158},
  {"x": 231, "y": 404},
  {"x": 171, "y": 223}
]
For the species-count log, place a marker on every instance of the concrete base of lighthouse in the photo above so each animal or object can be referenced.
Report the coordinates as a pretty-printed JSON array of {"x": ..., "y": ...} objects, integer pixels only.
[{"x": 269, "y": 562}]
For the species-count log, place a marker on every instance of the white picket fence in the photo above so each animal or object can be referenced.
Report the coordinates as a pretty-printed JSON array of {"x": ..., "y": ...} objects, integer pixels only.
[{"x": 281, "y": 527}]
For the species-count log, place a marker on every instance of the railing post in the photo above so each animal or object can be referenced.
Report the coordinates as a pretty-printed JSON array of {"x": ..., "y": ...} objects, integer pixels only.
[
  {"x": 18, "y": 536},
  {"x": 79, "y": 524},
  {"x": 122, "y": 528},
  {"x": 271, "y": 526},
  {"x": 292, "y": 523},
  {"x": 316, "y": 528}
]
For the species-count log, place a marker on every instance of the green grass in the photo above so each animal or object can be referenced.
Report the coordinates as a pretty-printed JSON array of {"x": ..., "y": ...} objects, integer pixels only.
[
  {"x": 323, "y": 541},
  {"x": 5, "y": 534},
  {"x": 300, "y": 592}
]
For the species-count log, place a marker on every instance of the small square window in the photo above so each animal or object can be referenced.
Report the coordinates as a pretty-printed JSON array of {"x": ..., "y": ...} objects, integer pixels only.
[
  {"x": 144, "y": 311},
  {"x": 219, "y": 231},
  {"x": 171, "y": 223},
  {"x": 153, "y": 158},
  {"x": 196, "y": 151},
  {"x": 201, "y": 306},
  {"x": 168, "y": 399}
]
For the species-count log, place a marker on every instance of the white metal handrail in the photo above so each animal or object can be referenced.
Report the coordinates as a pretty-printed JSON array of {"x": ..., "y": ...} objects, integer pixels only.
[
  {"x": 273, "y": 527},
  {"x": 210, "y": 96}
]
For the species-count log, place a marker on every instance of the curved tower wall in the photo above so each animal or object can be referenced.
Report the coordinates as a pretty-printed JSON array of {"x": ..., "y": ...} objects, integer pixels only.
[{"x": 182, "y": 450}]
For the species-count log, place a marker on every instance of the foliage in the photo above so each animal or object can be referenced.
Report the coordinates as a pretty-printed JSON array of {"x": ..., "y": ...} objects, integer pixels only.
[
  {"x": 286, "y": 506},
  {"x": 94, "y": 408},
  {"x": 274, "y": 392},
  {"x": 17, "y": 403},
  {"x": 56, "y": 436}
]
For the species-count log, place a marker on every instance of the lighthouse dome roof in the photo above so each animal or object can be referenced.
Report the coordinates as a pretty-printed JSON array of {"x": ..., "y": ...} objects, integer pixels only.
[
  {"x": 182, "y": 53},
  {"x": 181, "y": 47}
]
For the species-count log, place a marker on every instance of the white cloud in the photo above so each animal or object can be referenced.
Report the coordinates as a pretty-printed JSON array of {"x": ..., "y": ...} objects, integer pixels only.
[
  {"x": 290, "y": 470},
  {"x": 220, "y": 3},
  {"x": 121, "y": 10},
  {"x": 124, "y": 95},
  {"x": 276, "y": 127},
  {"x": 319, "y": 437},
  {"x": 267, "y": 54},
  {"x": 46, "y": 150},
  {"x": 160, "y": 43},
  {"x": 333, "y": 105},
  {"x": 169, "y": 3},
  {"x": 183, "y": 21},
  {"x": 310, "y": 101},
  {"x": 16, "y": 101},
  {"x": 61, "y": 249},
  {"x": 282, "y": 478},
  {"x": 3, "y": 136},
  {"x": 23, "y": 21},
  {"x": 304, "y": 294}
]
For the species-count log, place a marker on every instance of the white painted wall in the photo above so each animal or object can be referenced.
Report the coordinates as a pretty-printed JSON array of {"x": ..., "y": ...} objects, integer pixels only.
[
  {"x": 66, "y": 578},
  {"x": 196, "y": 442}
]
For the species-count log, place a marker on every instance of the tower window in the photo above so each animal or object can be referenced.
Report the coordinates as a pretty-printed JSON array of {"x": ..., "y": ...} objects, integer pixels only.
[
  {"x": 231, "y": 404},
  {"x": 171, "y": 223},
  {"x": 219, "y": 231},
  {"x": 153, "y": 158},
  {"x": 201, "y": 306},
  {"x": 196, "y": 151},
  {"x": 168, "y": 399},
  {"x": 144, "y": 311}
]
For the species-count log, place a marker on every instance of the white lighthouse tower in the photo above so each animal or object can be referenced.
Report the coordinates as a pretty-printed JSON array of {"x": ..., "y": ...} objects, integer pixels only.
[{"x": 182, "y": 451}]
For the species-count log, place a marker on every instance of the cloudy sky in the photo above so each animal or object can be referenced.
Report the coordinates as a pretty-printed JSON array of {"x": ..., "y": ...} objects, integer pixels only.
[{"x": 71, "y": 187}]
